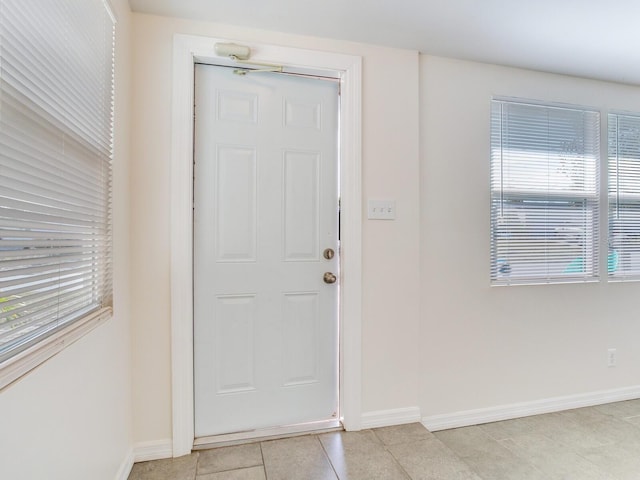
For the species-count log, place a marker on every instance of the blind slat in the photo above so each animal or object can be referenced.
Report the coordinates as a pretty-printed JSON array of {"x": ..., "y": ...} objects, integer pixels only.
[{"x": 32, "y": 299}]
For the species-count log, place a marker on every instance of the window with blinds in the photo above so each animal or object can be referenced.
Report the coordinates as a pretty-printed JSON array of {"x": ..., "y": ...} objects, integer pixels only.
[
  {"x": 544, "y": 193},
  {"x": 56, "y": 117},
  {"x": 624, "y": 197}
]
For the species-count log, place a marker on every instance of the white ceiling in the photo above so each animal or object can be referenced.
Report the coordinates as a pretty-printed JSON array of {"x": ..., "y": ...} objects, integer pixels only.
[{"x": 589, "y": 38}]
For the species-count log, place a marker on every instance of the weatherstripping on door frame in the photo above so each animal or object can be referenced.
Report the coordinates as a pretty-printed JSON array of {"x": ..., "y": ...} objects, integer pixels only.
[{"x": 187, "y": 50}]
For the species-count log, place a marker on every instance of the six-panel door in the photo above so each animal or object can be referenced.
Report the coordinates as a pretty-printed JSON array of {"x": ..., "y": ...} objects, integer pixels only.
[{"x": 265, "y": 209}]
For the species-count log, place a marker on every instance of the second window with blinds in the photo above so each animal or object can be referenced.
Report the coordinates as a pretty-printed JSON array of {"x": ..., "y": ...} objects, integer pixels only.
[{"x": 624, "y": 196}]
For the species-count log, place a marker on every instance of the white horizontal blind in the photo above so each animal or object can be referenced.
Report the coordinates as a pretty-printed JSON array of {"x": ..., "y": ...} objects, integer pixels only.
[
  {"x": 56, "y": 116},
  {"x": 624, "y": 197},
  {"x": 544, "y": 193}
]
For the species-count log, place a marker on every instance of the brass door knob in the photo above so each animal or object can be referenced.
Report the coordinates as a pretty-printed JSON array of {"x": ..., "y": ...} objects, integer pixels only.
[{"x": 329, "y": 277}]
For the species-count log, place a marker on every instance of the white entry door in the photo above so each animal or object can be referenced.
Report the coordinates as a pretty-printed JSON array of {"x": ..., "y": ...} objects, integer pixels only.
[{"x": 265, "y": 212}]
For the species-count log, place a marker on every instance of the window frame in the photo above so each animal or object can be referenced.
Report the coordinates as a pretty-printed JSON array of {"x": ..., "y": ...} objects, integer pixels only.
[{"x": 591, "y": 202}]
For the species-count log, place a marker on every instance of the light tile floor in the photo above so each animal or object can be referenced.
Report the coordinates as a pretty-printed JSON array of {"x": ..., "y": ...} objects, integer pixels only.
[{"x": 595, "y": 443}]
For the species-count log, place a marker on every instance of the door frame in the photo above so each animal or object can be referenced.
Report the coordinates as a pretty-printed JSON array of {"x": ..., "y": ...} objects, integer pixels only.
[{"x": 187, "y": 50}]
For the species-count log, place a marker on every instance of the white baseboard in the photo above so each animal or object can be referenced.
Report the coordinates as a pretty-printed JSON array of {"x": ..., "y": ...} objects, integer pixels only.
[
  {"x": 154, "y": 450},
  {"x": 525, "y": 409},
  {"x": 125, "y": 468},
  {"x": 385, "y": 418}
]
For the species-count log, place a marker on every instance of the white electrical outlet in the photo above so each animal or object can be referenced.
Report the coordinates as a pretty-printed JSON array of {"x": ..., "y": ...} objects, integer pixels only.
[{"x": 611, "y": 357}]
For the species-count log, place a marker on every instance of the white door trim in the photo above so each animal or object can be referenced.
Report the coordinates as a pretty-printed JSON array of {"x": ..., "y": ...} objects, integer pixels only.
[{"x": 188, "y": 49}]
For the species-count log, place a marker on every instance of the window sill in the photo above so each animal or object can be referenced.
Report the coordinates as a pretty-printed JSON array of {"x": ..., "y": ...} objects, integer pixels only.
[{"x": 14, "y": 368}]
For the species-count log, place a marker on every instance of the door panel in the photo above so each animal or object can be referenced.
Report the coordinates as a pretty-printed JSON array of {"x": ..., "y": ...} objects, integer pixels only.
[
  {"x": 265, "y": 207},
  {"x": 300, "y": 320},
  {"x": 234, "y": 347},
  {"x": 301, "y": 206},
  {"x": 236, "y": 204}
]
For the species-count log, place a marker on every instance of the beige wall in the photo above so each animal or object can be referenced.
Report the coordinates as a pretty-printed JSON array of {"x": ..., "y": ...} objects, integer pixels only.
[
  {"x": 390, "y": 249},
  {"x": 484, "y": 346},
  {"x": 70, "y": 419}
]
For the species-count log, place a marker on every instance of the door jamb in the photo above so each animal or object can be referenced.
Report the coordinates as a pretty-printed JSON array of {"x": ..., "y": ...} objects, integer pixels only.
[{"x": 188, "y": 49}]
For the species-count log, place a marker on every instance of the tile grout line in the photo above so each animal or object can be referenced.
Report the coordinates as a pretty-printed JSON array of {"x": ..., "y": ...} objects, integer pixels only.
[
  {"x": 581, "y": 454},
  {"x": 245, "y": 467},
  {"x": 500, "y": 443},
  {"x": 264, "y": 466},
  {"x": 327, "y": 455},
  {"x": 195, "y": 470},
  {"x": 397, "y": 462},
  {"x": 460, "y": 457},
  {"x": 522, "y": 458}
]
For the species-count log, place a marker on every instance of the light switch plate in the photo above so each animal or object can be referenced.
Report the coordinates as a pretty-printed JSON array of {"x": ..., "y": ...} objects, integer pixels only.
[{"x": 381, "y": 209}]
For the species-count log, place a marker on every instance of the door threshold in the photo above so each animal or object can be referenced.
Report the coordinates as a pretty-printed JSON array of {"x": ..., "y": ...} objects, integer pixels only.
[{"x": 250, "y": 436}]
